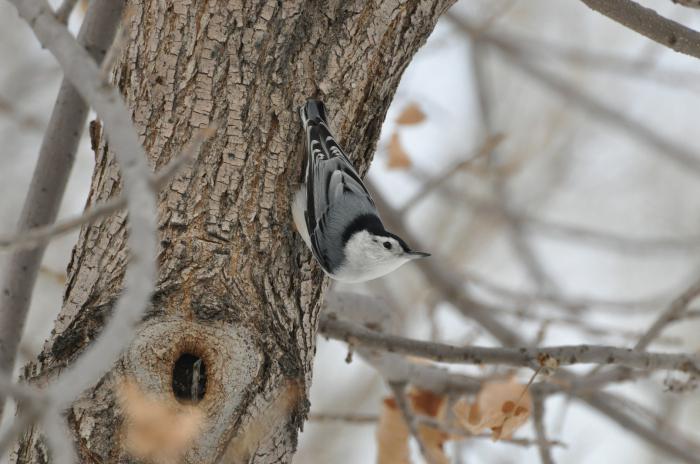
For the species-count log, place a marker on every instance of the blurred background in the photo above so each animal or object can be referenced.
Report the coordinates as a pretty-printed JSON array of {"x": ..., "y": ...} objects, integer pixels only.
[{"x": 524, "y": 156}]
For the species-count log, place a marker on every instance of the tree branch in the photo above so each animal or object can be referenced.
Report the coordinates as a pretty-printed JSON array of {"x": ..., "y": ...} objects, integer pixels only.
[
  {"x": 538, "y": 420},
  {"x": 84, "y": 74},
  {"x": 650, "y": 24},
  {"x": 679, "y": 154},
  {"x": 53, "y": 168},
  {"x": 521, "y": 357},
  {"x": 674, "y": 311},
  {"x": 65, "y": 9}
]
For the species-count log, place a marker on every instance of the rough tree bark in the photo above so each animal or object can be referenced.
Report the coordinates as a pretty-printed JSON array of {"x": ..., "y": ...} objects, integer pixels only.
[{"x": 236, "y": 287}]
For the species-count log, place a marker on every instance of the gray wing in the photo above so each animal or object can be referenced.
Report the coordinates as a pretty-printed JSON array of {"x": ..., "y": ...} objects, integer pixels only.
[{"x": 335, "y": 195}]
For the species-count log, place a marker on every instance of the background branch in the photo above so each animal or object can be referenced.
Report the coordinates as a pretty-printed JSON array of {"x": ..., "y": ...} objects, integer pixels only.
[
  {"x": 650, "y": 24},
  {"x": 53, "y": 168},
  {"x": 85, "y": 75}
]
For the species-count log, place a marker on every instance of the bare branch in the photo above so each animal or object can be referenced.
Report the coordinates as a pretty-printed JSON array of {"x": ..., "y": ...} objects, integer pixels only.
[
  {"x": 364, "y": 309},
  {"x": 371, "y": 419},
  {"x": 518, "y": 236},
  {"x": 82, "y": 71},
  {"x": 55, "y": 163},
  {"x": 650, "y": 24},
  {"x": 59, "y": 440},
  {"x": 620, "y": 243},
  {"x": 538, "y": 419},
  {"x": 675, "y": 311},
  {"x": 522, "y": 357},
  {"x": 672, "y": 443},
  {"x": 688, "y": 3},
  {"x": 393, "y": 367},
  {"x": 681, "y": 155},
  {"x": 64, "y": 11},
  {"x": 484, "y": 150}
]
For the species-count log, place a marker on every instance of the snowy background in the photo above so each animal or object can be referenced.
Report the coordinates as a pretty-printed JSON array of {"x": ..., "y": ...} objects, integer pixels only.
[{"x": 562, "y": 166}]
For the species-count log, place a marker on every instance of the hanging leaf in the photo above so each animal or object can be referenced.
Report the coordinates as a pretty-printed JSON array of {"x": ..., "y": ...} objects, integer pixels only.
[
  {"x": 392, "y": 435},
  {"x": 427, "y": 403},
  {"x": 501, "y": 406},
  {"x": 393, "y": 432},
  {"x": 156, "y": 430},
  {"x": 412, "y": 114},
  {"x": 398, "y": 158}
]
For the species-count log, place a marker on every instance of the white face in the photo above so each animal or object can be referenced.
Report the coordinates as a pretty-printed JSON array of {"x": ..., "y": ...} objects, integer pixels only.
[{"x": 369, "y": 256}]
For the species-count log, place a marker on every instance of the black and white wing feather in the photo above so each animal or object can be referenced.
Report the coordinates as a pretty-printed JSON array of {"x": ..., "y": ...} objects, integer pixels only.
[{"x": 335, "y": 194}]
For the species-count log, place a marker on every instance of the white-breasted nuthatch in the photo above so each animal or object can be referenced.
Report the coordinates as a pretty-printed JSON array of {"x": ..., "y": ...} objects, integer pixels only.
[{"x": 335, "y": 214}]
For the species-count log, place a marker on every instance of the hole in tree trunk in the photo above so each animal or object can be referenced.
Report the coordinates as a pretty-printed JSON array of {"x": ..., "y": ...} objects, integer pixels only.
[{"x": 189, "y": 378}]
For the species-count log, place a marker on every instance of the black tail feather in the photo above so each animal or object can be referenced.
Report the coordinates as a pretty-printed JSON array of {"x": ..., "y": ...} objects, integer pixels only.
[{"x": 313, "y": 111}]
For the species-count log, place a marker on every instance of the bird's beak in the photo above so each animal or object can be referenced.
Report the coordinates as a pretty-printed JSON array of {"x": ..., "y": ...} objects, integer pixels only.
[{"x": 417, "y": 254}]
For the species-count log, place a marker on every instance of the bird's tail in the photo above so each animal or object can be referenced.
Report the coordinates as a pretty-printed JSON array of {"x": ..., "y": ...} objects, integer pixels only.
[{"x": 313, "y": 112}]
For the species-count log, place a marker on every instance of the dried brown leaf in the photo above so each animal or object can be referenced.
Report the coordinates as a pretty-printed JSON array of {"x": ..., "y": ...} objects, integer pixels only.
[
  {"x": 156, "y": 429},
  {"x": 501, "y": 406},
  {"x": 392, "y": 435},
  {"x": 412, "y": 114},
  {"x": 398, "y": 158},
  {"x": 427, "y": 403}
]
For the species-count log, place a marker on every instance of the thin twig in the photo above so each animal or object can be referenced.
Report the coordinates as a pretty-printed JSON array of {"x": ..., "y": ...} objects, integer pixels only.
[
  {"x": 516, "y": 233},
  {"x": 664, "y": 147},
  {"x": 577, "y": 303},
  {"x": 484, "y": 150},
  {"x": 350, "y": 418},
  {"x": 543, "y": 444},
  {"x": 537, "y": 48},
  {"x": 675, "y": 311},
  {"x": 618, "y": 242},
  {"x": 674, "y": 444}
]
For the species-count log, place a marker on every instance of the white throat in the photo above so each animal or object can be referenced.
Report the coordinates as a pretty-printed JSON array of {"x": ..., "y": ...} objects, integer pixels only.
[{"x": 367, "y": 260}]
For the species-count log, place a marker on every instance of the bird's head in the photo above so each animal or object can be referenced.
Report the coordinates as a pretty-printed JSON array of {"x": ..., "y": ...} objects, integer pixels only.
[{"x": 372, "y": 254}]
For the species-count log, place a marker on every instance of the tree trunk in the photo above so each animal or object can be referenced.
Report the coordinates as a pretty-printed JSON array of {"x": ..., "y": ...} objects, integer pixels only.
[{"x": 237, "y": 288}]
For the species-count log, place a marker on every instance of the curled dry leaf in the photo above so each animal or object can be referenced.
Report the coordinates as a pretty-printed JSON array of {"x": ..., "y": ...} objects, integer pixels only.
[
  {"x": 412, "y": 114},
  {"x": 502, "y": 406},
  {"x": 398, "y": 158},
  {"x": 155, "y": 429}
]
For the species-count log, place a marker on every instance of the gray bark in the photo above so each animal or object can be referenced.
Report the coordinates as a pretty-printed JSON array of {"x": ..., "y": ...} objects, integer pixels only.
[{"x": 237, "y": 287}]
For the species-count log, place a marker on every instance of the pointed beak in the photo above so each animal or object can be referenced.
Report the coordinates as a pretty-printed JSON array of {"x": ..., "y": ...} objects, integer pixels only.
[{"x": 418, "y": 254}]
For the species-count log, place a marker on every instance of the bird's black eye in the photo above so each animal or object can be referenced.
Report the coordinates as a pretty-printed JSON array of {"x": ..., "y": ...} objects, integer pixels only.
[{"x": 387, "y": 245}]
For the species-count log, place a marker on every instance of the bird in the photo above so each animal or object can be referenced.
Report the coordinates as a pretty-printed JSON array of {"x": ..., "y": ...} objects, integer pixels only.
[{"x": 335, "y": 214}]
